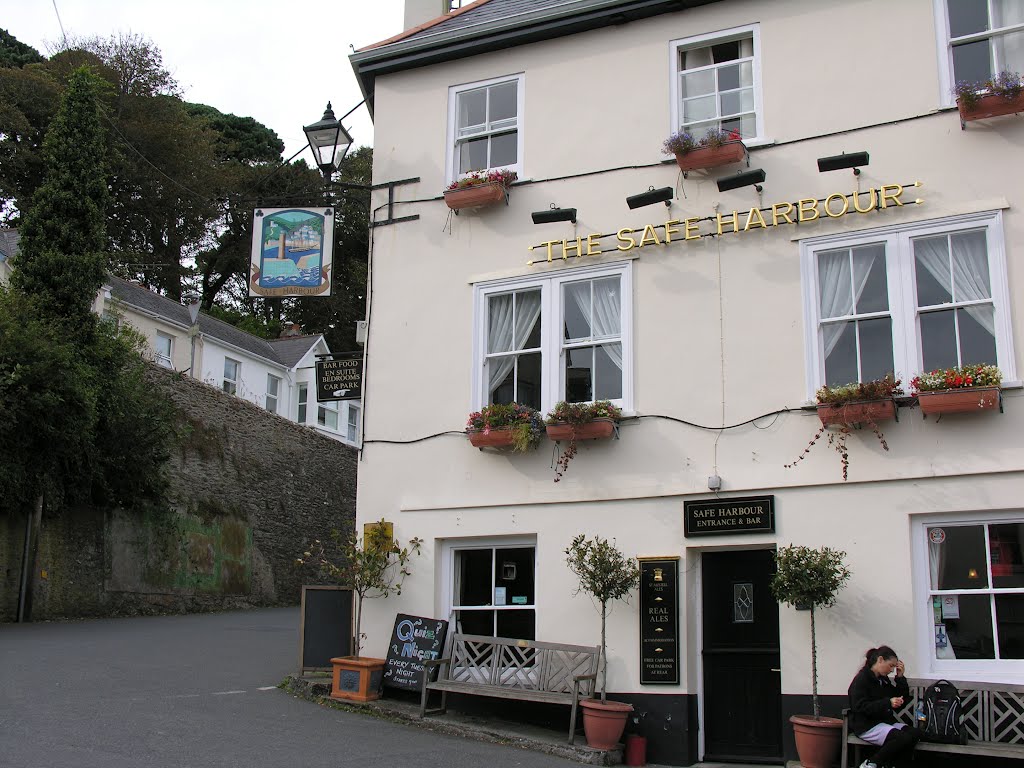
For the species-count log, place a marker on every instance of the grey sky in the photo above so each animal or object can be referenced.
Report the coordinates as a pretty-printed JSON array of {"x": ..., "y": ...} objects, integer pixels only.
[{"x": 277, "y": 62}]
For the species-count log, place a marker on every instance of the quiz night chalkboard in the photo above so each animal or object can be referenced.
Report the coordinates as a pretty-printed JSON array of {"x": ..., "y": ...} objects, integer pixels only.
[{"x": 414, "y": 640}]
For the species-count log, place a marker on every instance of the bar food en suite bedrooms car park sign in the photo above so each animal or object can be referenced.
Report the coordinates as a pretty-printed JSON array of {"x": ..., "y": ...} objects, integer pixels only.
[{"x": 803, "y": 211}]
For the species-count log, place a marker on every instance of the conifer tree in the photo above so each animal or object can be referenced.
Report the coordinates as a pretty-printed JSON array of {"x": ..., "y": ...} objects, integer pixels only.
[{"x": 62, "y": 259}]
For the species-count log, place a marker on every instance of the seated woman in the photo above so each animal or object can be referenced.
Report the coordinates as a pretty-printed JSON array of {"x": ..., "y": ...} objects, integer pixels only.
[{"x": 874, "y": 699}]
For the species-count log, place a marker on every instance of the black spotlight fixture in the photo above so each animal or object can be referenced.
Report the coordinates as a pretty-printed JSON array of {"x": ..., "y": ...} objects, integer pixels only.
[
  {"x": 744, "y": 179},
  {"x": 650, "y": 197},
  {"x": 554, "y": 214},
  {"x": 845, "y": 160}
]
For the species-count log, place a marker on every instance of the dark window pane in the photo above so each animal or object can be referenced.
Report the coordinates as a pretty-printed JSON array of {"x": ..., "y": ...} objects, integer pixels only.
[
  {"x": 938, "y": 340},
  {"x": 1010, "y": 623},
  {"x": 971, "y": 635},
  {"x": 505, "y": 392},
  {"x": 518, "y": 624},
  {"x": 528, "y": 374},
  {"x": 869, "y": 269},
  {"x": 725, "y": 51},
  {"x": 933, "y": 285},
  {"x": 503, "y": 149},
  {"x": 841, "y": 362},
  {"x": 875, "y": 348},
  {"x": 533, "y": 340},
  {"x": 513, "y": 569},
  {"x": 579, "y": 386},
  {"x": 609, "y": 375},
  {"x": 972, "y": 62},
  {"x": 477, "y": 623},
  {"x": 576, "y": 303},
  {"x": 959, "y": 561},
  {"x": 503, "y": 101},
  {"x": 473, "y": 155},
  {"x": 977, "y": 343},
  {"x": 472, "y": 108},
  {"x": 1006, "y": 548},
  {"x": 967, "y": 17},
  {"x": 474, "y": 577},
  {"x": 728, "y": 78}
]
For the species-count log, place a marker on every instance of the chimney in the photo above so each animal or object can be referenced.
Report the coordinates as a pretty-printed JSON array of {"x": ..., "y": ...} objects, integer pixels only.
[{"x": 290, "y": 329}]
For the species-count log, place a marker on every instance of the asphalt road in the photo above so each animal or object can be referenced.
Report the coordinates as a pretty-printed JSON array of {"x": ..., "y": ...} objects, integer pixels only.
[{"x": 177, "y": 691}]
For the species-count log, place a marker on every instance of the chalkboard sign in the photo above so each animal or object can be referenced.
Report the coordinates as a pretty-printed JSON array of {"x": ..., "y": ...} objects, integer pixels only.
[
  {"x": 414, "y": 640},
  {"x": 325, "y": 630},
  {"x": 659, "y": 621}
]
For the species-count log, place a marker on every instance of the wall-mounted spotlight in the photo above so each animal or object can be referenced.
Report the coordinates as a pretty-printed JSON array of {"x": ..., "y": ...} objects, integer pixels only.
[
  {"x": 744, "y": 179},
  {"x": 845, "y": 160},
  {"x": 650, "y": 197},
  {"x": 554, "y": 214}
]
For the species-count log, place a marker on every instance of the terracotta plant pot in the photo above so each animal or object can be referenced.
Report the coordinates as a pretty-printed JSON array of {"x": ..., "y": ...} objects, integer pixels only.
[
  {"x": 356, "y": 679},
  {"x": 990, "y": 106},
  {"x": 496, "y": 438},
  {"x": 604, "y": 722},
  {"x": 967, "y": 400},
  {"x": 598, "y": 429},
  {"x": 712, "y": 157},
  {"x": 477, "y": 196},
  {"x": 866, "y": 412},
  {"x": 817, "y": 740}
]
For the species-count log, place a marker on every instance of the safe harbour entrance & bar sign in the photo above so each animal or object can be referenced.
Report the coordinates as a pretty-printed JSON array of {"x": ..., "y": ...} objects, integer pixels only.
[{"x": 750, "y": 514}]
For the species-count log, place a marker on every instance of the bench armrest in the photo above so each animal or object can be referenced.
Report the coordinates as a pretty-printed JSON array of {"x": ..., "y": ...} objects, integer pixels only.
[
  {"x": 591, "y": 676},
  {"x": 431, "y": 663}
]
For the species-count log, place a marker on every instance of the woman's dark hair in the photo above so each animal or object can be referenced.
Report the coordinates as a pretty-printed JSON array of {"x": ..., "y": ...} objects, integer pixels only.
[{"x": 872, "y": 655}]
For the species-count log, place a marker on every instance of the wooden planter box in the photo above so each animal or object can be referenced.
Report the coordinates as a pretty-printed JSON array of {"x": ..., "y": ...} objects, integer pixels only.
[
  {"x": 356, "y": 679},
  {"x": 868, "y": 411},
  {"x": 990, "y": 106},
  {"x": 477, "y": 196},
  {"x": 712, "y": 157},
  {"x": 496, "y": 438},
  {"x": 967, "y": 400},
  {"x": 598, "y": 429}
]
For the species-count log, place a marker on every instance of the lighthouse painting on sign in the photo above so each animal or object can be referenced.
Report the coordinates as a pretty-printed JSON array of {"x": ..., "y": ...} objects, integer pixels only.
[{"x": 292, "y": 249}]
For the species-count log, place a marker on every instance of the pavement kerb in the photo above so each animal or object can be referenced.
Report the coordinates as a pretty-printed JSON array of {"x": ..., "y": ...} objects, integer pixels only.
[{"x": 317, "y": 688}]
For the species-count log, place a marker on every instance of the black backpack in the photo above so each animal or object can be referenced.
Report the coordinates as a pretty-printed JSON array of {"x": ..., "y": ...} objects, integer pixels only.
[{"x": 942, "y": 715}]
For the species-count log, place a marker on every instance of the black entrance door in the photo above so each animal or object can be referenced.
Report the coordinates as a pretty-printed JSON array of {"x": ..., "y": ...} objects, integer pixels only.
[{"x": 742, "y": 684}]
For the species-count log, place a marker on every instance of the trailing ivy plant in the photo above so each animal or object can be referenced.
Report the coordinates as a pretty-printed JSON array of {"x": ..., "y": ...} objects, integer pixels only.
[{"x": 809, "y": 578}]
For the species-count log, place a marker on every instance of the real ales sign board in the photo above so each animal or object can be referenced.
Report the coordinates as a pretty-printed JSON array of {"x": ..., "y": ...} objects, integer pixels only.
[{"x": 292, "y": 252}]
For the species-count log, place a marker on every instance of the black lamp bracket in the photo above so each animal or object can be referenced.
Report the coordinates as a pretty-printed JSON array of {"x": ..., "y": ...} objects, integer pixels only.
[{"x": 390, "y": 187}]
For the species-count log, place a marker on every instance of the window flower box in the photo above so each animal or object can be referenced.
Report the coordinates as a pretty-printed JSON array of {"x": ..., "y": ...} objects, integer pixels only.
[
  {"x": 714, "y": 149},
  {"x": 598, "y": 429},
  {"x": 966, "y": 389},
  {"x": 494, "y": 438},
  {"x": 865, "y": 412},
  {"x": 573, "y": 422},
  {"x": 509, "y": 425},
  {"x": 1002, "y": 95},
  {"x": 479, "y": 189}
]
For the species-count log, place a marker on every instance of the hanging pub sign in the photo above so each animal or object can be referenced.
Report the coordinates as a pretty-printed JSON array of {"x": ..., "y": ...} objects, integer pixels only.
[
  {"x": 659, "y": 621},
  {"x": 292, "y": 252},
  {"x": 340, "y": 378},
  {"x": 750, "y": 514}
]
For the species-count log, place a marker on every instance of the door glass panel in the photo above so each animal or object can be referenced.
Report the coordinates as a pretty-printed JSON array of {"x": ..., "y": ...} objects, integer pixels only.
[{"x": 742, "y": 603}]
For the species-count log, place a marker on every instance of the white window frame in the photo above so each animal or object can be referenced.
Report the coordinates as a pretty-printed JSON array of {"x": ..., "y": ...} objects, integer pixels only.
[
  {"x": 699, "y": 41},
  {"x": 973, "y": 670},
  {"x": 944, "y": 47},
  {"x": 330, "y": 406},
  {"x": 452, "y": 156},
  {"x": 552, "y": 351},
  {"x": 273, "y": 397},
  {"x": 352, "y": 415},
  {"x": 225, "y": 382},
  {"x": 903, "y": 292},
  {"x": 302, "y": 402},
  {"x": 167, "y": 361},
  {"x": 449, "y": 547}
]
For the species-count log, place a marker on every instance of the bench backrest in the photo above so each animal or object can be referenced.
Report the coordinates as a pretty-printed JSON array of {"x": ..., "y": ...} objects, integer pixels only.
[
  {"x": 523, "y": 664},
  {"x": 991, "y": 711}
]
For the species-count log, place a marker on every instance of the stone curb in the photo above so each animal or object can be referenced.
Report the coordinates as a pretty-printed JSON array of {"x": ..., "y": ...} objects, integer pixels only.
[{"x": 318, "y": 689}]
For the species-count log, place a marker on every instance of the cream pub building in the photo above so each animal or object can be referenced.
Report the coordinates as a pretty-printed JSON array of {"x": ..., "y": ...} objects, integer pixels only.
[{"x": 711, "y": 319}]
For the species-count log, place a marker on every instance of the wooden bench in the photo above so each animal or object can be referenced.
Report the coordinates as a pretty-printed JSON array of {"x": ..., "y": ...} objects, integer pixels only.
[
  {"x": 505, "y": 668},
  {"x": 993, "y": 714}
]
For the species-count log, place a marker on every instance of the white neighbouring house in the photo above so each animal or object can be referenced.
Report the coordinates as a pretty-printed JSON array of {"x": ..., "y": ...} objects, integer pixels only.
[{"x": 713, "y": 343}]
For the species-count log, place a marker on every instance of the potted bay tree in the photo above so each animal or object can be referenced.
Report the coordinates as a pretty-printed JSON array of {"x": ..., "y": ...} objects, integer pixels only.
[
  {"x": 808, "y": 579},
  {"x": 605, "y": 574}
]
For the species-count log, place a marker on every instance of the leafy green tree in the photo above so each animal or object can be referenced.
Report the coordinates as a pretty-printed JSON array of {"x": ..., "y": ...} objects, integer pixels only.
[
  {"x": 14, "y": 53},
  {"x": 62, "y": 258}
]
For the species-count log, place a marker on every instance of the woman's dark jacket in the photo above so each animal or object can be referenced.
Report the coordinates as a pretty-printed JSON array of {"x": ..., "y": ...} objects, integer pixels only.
[{"x": 869, "y": 699}]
